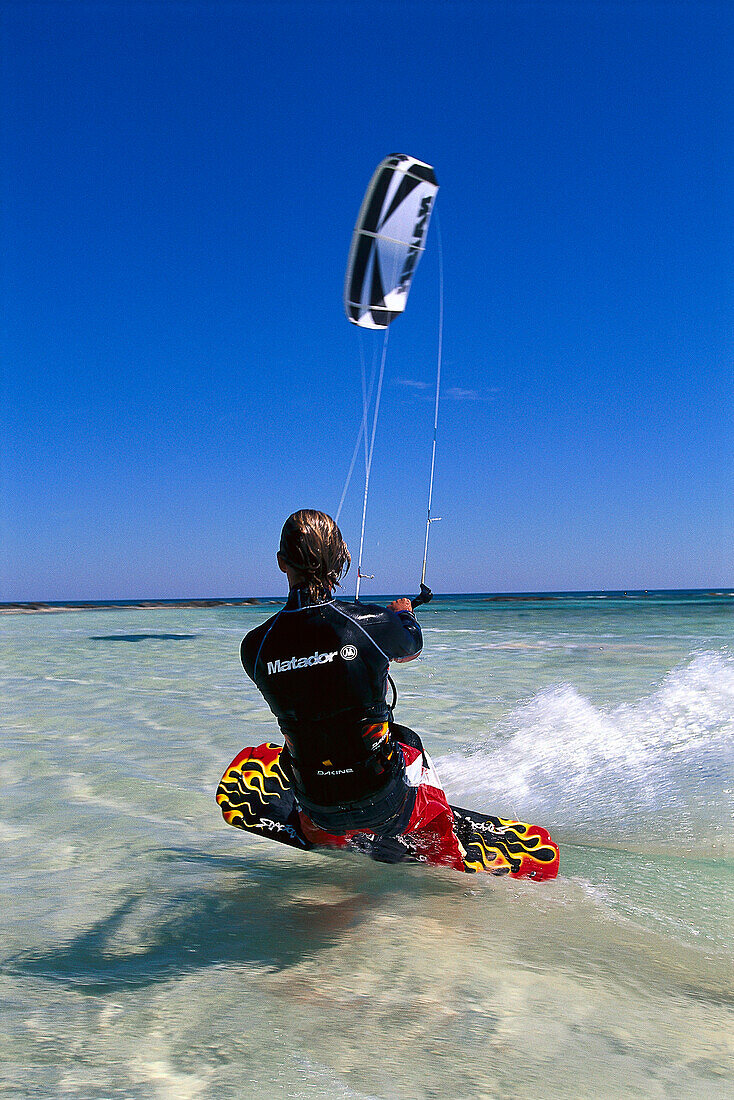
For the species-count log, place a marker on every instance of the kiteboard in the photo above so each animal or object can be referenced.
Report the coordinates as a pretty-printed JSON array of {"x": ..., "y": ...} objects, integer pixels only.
[{"x": 255, "y": 794}]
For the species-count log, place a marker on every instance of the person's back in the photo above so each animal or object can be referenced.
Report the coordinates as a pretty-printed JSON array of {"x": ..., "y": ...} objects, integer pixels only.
[{"x": 322, "y": 667}]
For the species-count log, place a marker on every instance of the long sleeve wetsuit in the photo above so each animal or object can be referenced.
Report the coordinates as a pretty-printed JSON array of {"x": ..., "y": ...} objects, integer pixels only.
[{"x": 322, "y": 668}]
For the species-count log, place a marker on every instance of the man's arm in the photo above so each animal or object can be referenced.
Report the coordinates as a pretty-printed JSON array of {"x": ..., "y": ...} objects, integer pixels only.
[{"x": 408, "y": 643}]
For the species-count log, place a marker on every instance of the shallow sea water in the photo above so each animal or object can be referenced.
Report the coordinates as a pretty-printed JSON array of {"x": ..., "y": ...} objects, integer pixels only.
[{"x": 147, "y": 950}]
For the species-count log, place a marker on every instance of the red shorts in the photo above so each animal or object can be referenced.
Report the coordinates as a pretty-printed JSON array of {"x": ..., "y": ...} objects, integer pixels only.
[{"x": 429, "y": 836}]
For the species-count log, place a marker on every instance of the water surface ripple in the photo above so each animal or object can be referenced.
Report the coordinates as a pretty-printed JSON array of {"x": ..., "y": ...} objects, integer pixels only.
[{"x": 148, "y": 951}]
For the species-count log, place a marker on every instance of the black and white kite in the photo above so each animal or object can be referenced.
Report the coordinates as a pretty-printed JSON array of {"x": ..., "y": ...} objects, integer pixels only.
[{"x": 388, "y": 240}]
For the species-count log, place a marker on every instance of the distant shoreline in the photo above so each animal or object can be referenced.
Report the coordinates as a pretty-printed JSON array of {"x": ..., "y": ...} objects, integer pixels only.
[{"x": 33, "y": 607}]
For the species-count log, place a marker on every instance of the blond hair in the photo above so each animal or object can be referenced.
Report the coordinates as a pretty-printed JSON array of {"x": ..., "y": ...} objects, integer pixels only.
[{"x": 312, "y": 545}]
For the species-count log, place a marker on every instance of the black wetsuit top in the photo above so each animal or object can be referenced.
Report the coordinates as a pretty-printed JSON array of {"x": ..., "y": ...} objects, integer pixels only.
[{"x": 322, "y": 668}]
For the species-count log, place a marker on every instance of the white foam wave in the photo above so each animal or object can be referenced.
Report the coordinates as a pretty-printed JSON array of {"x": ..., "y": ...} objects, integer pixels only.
[{"x": 660, "y": 766}]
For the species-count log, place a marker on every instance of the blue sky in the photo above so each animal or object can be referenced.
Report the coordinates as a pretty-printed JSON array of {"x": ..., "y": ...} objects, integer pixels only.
[{"x": 179, "y": 188}]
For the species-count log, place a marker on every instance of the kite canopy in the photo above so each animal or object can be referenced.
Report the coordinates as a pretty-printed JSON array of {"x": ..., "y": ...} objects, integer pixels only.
[{"x": 388, "y": 240}]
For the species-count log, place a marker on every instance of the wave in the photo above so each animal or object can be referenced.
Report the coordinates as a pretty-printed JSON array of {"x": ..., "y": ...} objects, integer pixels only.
[{"x": 654, "y": 770}]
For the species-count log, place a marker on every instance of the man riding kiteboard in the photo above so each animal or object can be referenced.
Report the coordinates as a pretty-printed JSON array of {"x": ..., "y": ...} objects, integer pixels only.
[
  {"x": 349, "y": 775},
  {"x": 359, "y": 779}
]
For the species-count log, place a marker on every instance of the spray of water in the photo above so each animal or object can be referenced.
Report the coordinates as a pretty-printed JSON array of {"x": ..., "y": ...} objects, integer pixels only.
[{"x": 658, "y": 770}]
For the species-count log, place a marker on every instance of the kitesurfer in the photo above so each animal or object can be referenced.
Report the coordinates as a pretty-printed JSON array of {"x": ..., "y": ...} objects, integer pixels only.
[{"x": 322, "y": 666}]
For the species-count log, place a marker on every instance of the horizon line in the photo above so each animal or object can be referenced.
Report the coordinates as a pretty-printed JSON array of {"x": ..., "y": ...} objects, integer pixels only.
[{"x": 143, "y": 603}]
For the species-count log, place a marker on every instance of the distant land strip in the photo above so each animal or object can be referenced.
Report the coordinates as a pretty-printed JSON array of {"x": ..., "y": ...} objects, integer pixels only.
[
  {"x": 697, "y": 596},
  {"x": 122, "y": 605}
]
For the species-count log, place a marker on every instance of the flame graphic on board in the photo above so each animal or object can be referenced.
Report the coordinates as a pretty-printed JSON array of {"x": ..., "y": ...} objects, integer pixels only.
[
  {"x": 252, "y": 779},
  {"x": 504, "y": 847}
]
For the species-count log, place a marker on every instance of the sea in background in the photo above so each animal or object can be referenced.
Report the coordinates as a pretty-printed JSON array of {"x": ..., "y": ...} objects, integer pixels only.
[{"x": 147, "y": 950}]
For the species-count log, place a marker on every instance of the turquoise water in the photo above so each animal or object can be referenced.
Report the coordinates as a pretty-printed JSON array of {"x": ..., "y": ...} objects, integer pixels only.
[{"x": 149, "y": 951}]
